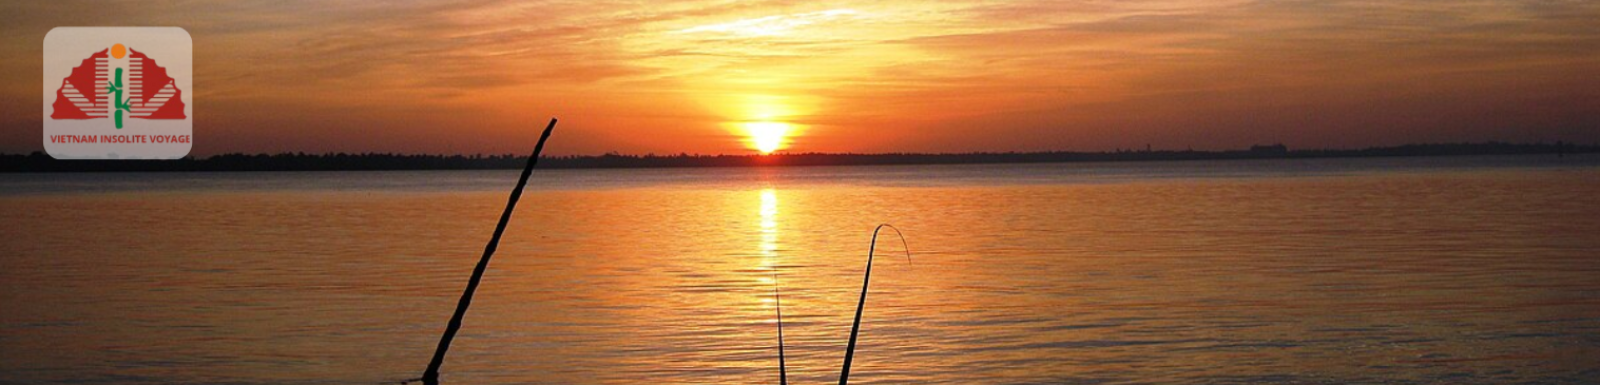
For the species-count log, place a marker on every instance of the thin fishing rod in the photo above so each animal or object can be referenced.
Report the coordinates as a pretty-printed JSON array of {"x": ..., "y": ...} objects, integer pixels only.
[
  {"x": 783, "y": 370},
  {"x": 850, "y": 351},
  {"x": 431, "y": 376}
]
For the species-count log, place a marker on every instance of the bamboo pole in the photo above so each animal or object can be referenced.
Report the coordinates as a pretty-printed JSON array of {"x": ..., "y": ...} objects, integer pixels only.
[{"x": 431, "y": 376}]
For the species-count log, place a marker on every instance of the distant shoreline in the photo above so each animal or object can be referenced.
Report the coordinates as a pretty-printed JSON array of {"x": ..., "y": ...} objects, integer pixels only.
[{"x": 39, "y": 162}]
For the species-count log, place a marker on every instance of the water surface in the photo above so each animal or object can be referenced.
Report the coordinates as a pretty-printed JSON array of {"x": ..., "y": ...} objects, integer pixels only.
[{"x": 1450, "y": 270}]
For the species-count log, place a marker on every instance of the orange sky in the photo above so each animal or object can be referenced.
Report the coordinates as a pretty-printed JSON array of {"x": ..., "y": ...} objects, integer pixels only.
[{"x": 867, "y": 76}]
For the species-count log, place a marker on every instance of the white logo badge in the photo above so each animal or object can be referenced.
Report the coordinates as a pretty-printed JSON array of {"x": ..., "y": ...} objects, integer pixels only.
[{"x": 118, "y": 92}]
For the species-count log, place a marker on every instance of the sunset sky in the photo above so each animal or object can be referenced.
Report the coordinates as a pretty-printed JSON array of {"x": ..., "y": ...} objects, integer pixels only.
[{"x": 869, "y": 76}]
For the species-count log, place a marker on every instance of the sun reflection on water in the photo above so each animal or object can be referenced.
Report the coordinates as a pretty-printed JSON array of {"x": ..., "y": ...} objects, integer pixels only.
[{"x": 769, "y": 225}]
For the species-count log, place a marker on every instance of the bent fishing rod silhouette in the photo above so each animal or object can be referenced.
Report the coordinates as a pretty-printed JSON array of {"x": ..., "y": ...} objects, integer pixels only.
[
  {"x": 855, "y": 328},
  {"x": 850, "y": 351},
  {"x": 431, "y": 376}
]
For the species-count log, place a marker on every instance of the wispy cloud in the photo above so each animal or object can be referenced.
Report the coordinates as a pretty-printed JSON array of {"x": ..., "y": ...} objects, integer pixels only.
[{"x": 771, "y": 25}]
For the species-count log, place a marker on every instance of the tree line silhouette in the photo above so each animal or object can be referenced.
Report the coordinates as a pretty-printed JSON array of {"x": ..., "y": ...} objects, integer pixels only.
[{"x": 40, "y": 162}]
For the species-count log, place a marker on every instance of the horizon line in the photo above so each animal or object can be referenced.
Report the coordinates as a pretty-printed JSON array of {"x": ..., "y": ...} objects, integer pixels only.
[{"x": 1274, "y": 147}]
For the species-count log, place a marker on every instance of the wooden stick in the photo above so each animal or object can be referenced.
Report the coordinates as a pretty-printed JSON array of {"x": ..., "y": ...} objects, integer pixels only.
[{"x": 431, "y": 376}]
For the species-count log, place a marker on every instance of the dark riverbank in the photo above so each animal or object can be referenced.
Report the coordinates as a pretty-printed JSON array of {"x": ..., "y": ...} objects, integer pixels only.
[{"x": 40, "y": 162}]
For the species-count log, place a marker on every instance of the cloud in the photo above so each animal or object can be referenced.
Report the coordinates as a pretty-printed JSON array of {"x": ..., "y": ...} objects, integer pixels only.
[{"x": 771, "y": 25}]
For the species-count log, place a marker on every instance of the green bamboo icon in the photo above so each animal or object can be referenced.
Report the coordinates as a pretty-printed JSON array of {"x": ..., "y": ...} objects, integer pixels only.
[{"x": 114, "y": 87}]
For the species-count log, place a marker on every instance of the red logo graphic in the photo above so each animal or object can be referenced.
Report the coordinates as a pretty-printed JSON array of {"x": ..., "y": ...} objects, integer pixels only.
[{"x": 151, "y": 94}]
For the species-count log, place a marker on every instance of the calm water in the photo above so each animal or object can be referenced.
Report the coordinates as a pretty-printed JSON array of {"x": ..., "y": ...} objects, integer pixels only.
[{"x": 1429, "y": 270}]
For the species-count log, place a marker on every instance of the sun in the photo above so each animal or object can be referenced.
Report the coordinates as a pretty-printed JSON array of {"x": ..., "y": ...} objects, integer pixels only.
[{"x": 767, "y": 137}]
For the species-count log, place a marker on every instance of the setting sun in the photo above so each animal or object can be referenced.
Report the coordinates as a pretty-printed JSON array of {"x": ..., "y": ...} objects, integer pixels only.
[{"x": 767, "y": 137}]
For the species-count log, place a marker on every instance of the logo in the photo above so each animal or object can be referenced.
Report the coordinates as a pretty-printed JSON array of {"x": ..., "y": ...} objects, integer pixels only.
[{"x": 118, "y": 92}]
